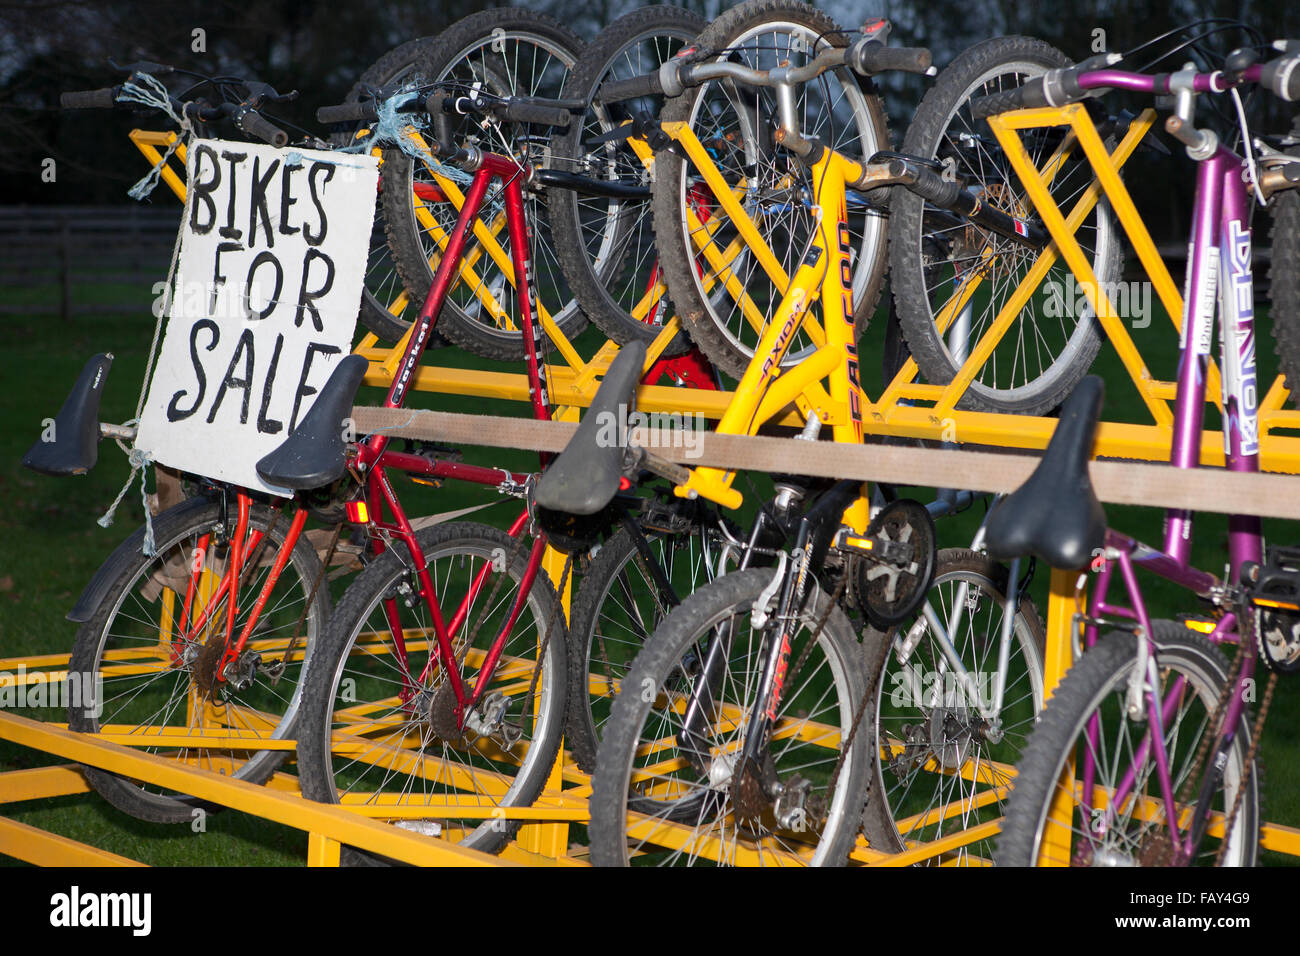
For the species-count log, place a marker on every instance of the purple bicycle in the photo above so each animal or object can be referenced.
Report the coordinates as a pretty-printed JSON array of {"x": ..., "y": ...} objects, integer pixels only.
[{"x": 1145, "y": 756}]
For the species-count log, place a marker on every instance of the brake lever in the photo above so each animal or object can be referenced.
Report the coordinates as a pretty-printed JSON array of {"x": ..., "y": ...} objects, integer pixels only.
[
  {"x": 259, "y": 93},
  {"x": 142, "y": 66}
]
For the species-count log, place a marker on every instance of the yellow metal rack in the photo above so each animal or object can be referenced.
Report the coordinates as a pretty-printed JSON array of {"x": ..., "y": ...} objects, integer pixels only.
[{"x": 905, "y": 407}]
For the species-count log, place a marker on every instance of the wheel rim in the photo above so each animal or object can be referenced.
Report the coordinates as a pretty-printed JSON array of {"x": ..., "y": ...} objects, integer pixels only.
[
  {"x": 1129, "y": 839},
  {"x": 617, "y": 234},
  {"x": 383, "y": 742},
  {"x": 513, "y": 62},
  {"x": 1053, "y": 332},
  {"x": 833, "y": 109},
  {"x": 691, "y": 817},
  {"x": 934, "y": 754},
  {"x": 147, "y": 672}
]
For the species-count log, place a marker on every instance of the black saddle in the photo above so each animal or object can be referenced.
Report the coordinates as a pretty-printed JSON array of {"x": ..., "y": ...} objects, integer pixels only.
[
  {"x": 75, "y": 446},
  {"x": 585, "y": 477},
  {"x": 313, "y": 455},
  {"x": 1055, "y": 514}
]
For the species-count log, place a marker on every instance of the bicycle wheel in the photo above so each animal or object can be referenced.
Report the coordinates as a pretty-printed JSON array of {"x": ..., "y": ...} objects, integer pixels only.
[
  {"x": 657, "y": 801},
  {"x": 386, "y": 310},
  {"x": 720, "y": 290},
  {"x": 606, "y": 246},
  {"x": 157, "y": 682},
  {"x": 940, "y": 765},
  {"x": 618, "y": 607},
  {"x": 1284, "y": 288},
  {"x": 946, "y": 270},
  {"x": 1087, "y": 717},
  {"x": 379, "y": 732},
  {"x": 508, "y": 52}
]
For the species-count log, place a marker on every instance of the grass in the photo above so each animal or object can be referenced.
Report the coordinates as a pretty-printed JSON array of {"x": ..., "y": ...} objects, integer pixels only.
[{"x": 50, "y": 546}]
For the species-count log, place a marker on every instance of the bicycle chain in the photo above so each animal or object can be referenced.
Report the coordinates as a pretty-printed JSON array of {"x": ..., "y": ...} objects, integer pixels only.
[
  {"x": 1204, "y": 747},
  {"x": 1256, "y": 732},
  {"x": 1202, "y": 750}
]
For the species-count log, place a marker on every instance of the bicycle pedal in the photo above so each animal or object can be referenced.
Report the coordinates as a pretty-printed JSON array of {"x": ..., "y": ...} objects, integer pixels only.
[{"x": 873, "y": 548}]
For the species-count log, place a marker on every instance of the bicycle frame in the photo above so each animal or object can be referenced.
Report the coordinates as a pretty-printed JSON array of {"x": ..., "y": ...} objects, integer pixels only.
[
  {"x": 826, "y": 274},
  {"x": 1219, "y": 261},
  {"x": 373, "y": 460}
]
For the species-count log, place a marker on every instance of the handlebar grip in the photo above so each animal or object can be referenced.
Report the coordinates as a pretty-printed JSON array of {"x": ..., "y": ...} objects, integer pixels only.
[
  {"x": 1022, "y": 97},
  {"x": 522, "y": 110},
  {"x": 255, "y": 124},
  {"x": 359, "y": 112},
  {"x": 615, "y": 91},
  {"x": 929, "y": 185},
  {"x": 869, "y": 57},
  {"x": 1282, "y": 76},
  {"x": 104, "y": 99}
]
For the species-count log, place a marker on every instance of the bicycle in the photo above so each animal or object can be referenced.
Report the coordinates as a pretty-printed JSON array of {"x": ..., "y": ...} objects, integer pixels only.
[
  {"x": 512, "y": 53},
  {"x": 955, "y": 693},
  {"x": 366, "y": 716},
  {"x": 253, "y": 704},
  {"x": 194, "y": 651},
  {"x": 1092, "y": 788},
  {"x": 742, "y": 735}
]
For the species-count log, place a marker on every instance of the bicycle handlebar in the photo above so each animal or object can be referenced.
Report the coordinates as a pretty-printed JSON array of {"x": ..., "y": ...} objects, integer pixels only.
[
  {"x": 362, "y": 111},
  {"x": 244, "y": 115},
  {"x": 255, "y": 124},
  {"x": 104, "y": 99},
  {"x": 516, "y": 109},
  {"x": 1282, "y": 76},
  {"x": 616, "y": 91},
  {"x": 1066, "y": 85},
  {"x": 866, "y": 56}
]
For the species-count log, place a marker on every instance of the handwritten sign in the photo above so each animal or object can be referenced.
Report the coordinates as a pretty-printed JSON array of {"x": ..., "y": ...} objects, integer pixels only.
[{"x": 268, "y": 286}]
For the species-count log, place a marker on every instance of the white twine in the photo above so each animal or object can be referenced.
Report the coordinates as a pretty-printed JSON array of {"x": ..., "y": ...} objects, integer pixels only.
[{"x": 151, "y": 93}]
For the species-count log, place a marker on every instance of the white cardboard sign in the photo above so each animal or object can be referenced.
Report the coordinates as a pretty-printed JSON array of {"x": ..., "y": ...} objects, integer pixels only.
[{"x": 268, "y": 286}]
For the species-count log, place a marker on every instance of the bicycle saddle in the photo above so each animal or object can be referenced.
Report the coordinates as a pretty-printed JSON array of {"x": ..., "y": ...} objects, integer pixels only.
[
  {"x": 313, "y": 455},
  {"x": 585, "y": 476},
  {"x": 1055, "y": 514},
  {"x": 74, "y": 446}
]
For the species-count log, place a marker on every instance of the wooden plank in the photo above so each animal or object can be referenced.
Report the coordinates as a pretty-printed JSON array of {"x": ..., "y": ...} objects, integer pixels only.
[{"x": 1199, "y": 489}]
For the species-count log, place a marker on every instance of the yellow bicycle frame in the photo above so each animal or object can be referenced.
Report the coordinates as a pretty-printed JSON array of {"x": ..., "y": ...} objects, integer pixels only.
[{"x": 825, "y": 274}]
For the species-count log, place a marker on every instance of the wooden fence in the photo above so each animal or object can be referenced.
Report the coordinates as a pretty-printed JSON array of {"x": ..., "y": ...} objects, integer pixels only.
[{"x": 68, "y": 253}]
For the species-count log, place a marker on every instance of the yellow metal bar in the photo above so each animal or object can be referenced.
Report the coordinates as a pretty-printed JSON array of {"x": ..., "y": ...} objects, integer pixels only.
[
  {"x": 726, "y": 198},
  {"x": 332, "y": 821},
  {"x": 322, "y": 851},
  {"x": 955, "y": 841},
  {"x": 31, "y": 845},
  {"x": 148, "y": 142},
  {"x": 1107, "y": 171},
  {"x": 41, "y": 783},
  {"x": 472, "y": 280},
  {"x": 1062, "y": 231},
  {"x": 1056, "y": 661}
]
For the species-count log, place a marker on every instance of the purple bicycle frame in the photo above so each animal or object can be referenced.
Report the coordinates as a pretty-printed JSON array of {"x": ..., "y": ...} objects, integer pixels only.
[{"x": 1218, "y": 270}]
